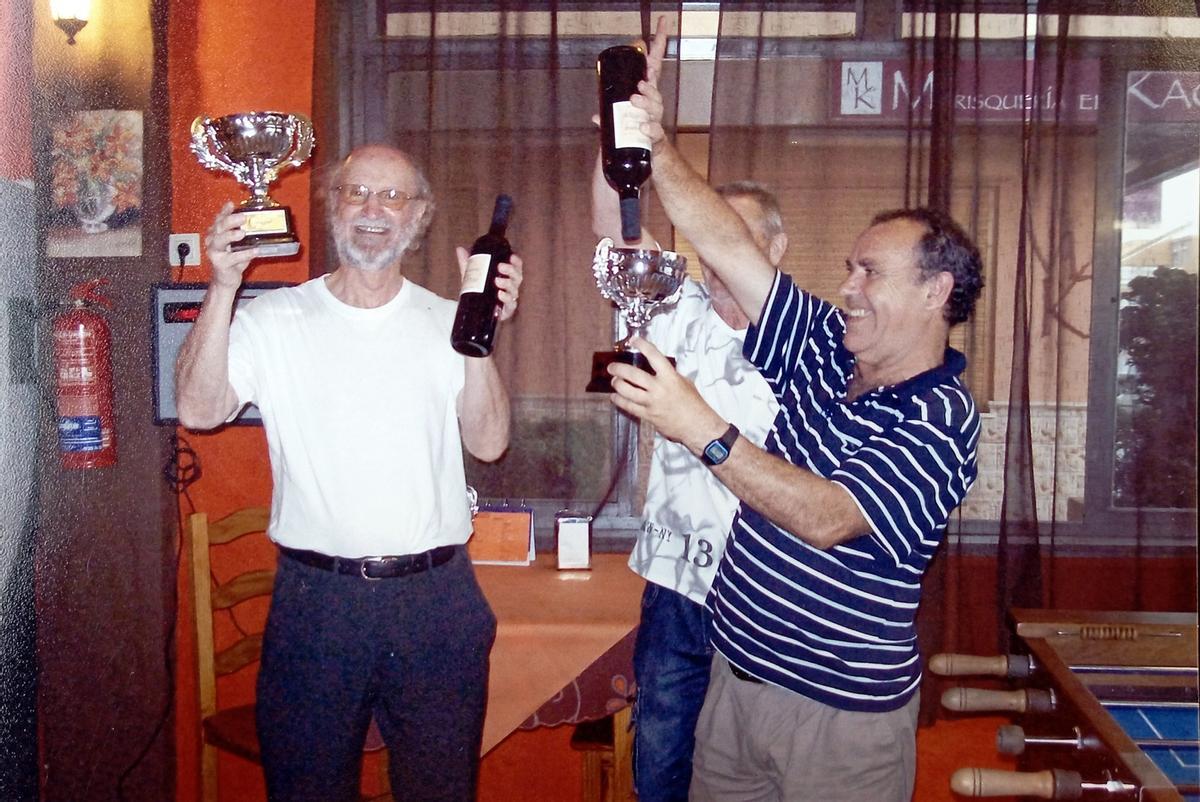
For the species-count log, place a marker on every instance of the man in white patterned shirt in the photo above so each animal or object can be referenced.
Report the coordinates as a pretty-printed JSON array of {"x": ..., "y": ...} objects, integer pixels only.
[{"x": 688, "y": 511}]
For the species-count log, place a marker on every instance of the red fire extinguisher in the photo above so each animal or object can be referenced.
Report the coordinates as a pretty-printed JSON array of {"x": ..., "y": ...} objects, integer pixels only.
[{"x": 87, "y": 437}]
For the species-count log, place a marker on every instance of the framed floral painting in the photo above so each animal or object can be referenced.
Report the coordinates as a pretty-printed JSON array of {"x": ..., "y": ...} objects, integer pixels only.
[{"x": 97, "y": 184}]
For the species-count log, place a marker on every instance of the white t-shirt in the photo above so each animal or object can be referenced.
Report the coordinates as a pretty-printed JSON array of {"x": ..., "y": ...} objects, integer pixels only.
[
  {"x": 688, "y": 511},
  {"x": 360, "y": 417}
]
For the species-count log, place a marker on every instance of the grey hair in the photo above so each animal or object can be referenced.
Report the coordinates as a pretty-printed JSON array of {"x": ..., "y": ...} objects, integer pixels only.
[
  {"x": 945, "y": 247},
  {"x": 772, "y": 217},
  {"x": 330, "y": 176}
]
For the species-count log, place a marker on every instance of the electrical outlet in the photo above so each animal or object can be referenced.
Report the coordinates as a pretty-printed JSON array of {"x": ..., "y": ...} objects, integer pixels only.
[{"x": 193, "y": 255}]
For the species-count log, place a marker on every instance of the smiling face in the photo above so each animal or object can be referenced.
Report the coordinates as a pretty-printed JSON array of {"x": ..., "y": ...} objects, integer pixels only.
[
  {"x": 370, "y": 236},
  {"x": 894, "y": 322}
]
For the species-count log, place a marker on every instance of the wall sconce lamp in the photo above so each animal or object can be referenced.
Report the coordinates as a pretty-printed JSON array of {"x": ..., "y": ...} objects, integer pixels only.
[{"x": 71, "y": 16}]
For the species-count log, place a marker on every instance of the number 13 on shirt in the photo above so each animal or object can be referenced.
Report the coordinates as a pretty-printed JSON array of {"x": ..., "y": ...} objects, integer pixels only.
[{"x": 702, "y": 557}]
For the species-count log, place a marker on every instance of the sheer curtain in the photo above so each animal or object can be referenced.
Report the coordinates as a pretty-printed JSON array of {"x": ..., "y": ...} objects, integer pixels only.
[
  {"x": 500, "y": 99},
  {"x": 1058, "y": 141},
  {"x": 850, "y": 110}
]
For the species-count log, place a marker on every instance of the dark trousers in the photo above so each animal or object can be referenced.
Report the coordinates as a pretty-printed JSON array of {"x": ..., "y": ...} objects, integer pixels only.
[
  {"x": 672, "y": 659},
  {"x": 412, "y": 651}
]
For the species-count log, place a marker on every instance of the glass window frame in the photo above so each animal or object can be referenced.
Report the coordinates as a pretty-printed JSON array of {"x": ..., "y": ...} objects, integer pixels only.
[
  {"x": 1103, "y": 522},
  {"x": 1102, "y": 525}
]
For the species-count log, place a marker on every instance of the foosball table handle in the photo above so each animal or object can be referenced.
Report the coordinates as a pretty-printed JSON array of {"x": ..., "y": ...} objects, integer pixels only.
[
  {"x": 1011, "y": 739},
  {"x": 1052, "y": 784},
  {"x": 979, "y": 700},
  {"x": 1012, "y": 666}
]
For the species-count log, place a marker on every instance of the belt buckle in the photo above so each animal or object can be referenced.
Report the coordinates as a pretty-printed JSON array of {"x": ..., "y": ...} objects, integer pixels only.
[{"x": 362, "y": 568}]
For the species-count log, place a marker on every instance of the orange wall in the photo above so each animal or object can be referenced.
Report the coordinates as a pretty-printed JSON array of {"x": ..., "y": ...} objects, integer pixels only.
[{"x": 228, "y": 56}]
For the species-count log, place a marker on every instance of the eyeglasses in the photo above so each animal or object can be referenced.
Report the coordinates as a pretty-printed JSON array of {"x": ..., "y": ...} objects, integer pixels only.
[{"x": 358, "y": 195}]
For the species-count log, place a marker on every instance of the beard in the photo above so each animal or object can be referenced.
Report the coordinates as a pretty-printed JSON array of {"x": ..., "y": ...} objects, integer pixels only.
[{"x": 352, "y": 255}]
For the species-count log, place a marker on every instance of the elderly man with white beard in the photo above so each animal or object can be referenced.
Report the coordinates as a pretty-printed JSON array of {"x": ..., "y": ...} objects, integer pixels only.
[{"x": 366, "y": 408}]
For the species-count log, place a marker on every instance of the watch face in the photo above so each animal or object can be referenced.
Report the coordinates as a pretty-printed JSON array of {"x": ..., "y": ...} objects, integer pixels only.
[{"x": 716, "y": 452}]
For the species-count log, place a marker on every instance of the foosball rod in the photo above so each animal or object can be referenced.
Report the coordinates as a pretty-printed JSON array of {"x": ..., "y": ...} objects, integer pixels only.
[
  {"x": 1011, "y": 666},
  {"x": 1020, "y": 666},
  {"x": 1012, "y": 740},
  {"x": 1094, "y": 631},
  {"x": 1051, "y": 784},
  {"x": 980, "y": 700}
]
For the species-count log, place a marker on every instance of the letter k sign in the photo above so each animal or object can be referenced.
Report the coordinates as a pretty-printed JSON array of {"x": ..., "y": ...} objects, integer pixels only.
[{"x": 862, "y": 88}]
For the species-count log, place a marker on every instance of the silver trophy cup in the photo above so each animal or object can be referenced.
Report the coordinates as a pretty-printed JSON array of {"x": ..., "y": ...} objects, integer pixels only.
[
  {"x": 641, "y": 283},
  {"x": 255, "y": 146}
]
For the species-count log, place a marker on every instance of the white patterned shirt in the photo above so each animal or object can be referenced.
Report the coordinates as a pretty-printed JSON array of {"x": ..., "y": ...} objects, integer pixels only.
[{"x": 688, "y": 511}]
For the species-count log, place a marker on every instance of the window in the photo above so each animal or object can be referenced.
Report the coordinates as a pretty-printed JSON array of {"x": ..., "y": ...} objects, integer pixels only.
[
  {"x": 1144, "y": 403},
  {"x": 500, "y": 101}
]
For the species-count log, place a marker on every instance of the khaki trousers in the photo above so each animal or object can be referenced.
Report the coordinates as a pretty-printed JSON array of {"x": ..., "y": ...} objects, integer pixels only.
[{"x": 762, "y": 743}]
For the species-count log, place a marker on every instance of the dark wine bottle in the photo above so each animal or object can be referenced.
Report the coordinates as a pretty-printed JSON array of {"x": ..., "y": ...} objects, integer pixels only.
[
  {"x": 474, "y": 332},
  {"x": 624, "y": 149}
]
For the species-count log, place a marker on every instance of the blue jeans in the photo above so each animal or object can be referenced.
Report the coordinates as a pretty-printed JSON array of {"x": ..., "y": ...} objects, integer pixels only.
[{"x": 671, "y": 663}]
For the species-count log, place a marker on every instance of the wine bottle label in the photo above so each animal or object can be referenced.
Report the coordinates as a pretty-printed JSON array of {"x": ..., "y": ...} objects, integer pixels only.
[
  {"x": 475, "y": 276},
  {"x": 627, "y": 122}
]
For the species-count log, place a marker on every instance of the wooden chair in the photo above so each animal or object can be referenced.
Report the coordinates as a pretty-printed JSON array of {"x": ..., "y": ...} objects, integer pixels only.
[
  {"x": 607, "y": 747},
  {"x": 230, "y": 729}
]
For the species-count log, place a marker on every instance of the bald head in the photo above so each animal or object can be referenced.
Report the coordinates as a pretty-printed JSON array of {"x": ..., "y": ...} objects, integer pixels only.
[
  {"x": 380, "y": 207},
  {"x": 377, "y": 156}
]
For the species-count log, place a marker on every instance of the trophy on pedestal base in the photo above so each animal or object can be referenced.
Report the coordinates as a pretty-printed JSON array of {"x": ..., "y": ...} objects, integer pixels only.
[
  {"x": 641, "y": 283},
  {"x": 255, "y": 146}
]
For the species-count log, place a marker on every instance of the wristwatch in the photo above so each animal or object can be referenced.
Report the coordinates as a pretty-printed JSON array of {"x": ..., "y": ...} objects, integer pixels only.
[{"x": 717, "y": 451}]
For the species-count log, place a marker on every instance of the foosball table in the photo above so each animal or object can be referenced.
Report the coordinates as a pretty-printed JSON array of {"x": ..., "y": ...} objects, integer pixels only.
[{"x": 1104, "y": 707}]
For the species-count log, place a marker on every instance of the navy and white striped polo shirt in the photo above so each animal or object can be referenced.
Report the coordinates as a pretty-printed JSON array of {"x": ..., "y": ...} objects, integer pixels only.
[{"x": 837, "y": 625}]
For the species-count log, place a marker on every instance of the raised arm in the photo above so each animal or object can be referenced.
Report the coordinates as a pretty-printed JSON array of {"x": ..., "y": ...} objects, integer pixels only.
[
  {"x": 702, "y": 216},
  {"x": 483, "y": 410},
  {"x": 204, "y": 397},
  {"x": 812, "y": 509}
]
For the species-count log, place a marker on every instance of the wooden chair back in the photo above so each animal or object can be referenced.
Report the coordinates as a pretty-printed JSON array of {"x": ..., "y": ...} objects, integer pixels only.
[
  {"x": 210, "y": 597},
  {"x": 232, "y": 729}
]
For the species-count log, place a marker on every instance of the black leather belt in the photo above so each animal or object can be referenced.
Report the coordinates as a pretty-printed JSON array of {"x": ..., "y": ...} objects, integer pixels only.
[
  {"x": 743, "y": 676},
  {"x": 373, "y": 567}
]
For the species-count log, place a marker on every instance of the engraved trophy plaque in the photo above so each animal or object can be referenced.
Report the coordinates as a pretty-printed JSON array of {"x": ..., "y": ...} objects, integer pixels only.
[
  {"x": 641, "y": 283},
  {"x": 255, "y": 146}
]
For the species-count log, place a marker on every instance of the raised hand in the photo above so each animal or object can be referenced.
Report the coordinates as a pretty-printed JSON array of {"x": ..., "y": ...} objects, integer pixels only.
[
  {"x": 649, "y": 99},
  {"x": 228, "y": 265},
  {"x": 665, "y": 399},
  {"x": 508, "y": 282}
]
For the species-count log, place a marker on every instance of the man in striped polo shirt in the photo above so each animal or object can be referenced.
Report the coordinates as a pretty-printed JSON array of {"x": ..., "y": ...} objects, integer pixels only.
[
  {"x": 687, "y": 512},
  {"x": 814, "y": 692}
]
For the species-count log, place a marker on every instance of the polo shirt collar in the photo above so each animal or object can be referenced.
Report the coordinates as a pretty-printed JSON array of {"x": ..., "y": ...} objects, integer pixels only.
[{"x": 953, "y": 364}]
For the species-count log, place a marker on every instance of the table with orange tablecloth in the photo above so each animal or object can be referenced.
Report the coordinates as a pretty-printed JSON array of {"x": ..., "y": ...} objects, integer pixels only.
[{"x": 552, "y": 627}]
